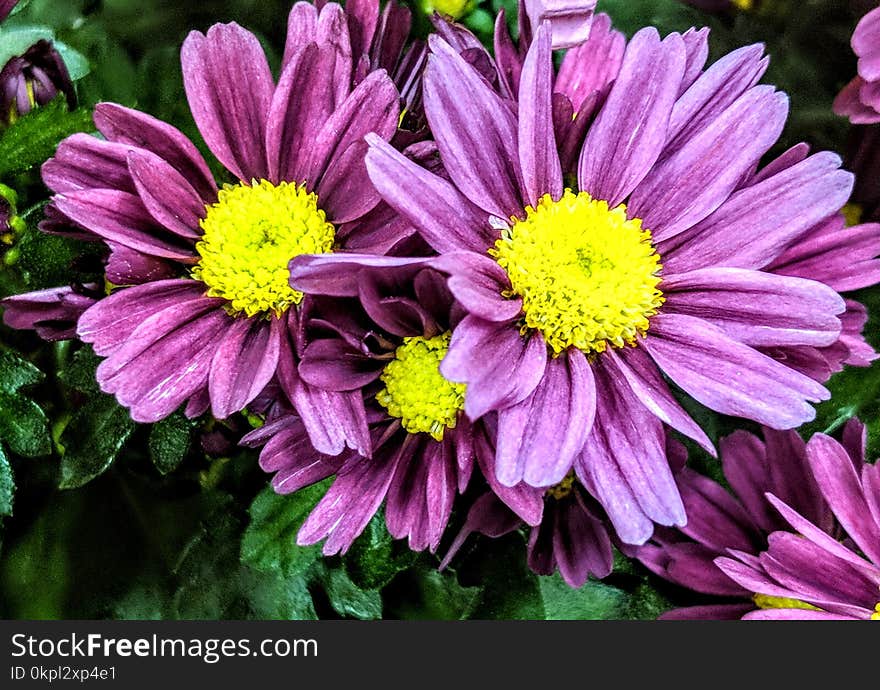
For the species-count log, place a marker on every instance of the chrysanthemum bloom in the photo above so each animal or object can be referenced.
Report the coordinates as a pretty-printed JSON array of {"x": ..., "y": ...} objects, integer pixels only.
[
  {"x": 382, "y": 338},
  {"x": 808, "y": 573},
  {"x": 211, "y": 317},
  {"x": 579, "y": 296},
  {"x": 742, "y": 518},
  {"x": 860, "y": 99},
  {"x": 33, "y": 79}
]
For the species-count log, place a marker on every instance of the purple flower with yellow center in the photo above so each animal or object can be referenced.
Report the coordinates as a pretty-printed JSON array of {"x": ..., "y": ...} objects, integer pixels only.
[
  {"x": 204, "y": 313},
  {"x": 33, "y": 79},
  {"x": 813, "y": 573},
  {"x": 382, "y": 338},
  {"x": 754, "y": 467},
  {"x": 860, "y": 99},
  {"x": 582, "y": 291}
]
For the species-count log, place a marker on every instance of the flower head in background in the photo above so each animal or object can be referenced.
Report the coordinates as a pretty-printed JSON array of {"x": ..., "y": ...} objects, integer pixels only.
[
  {"x": 203, "y": 313},
  {"x": 381, "y": 339},
  {"x": 860, "y": 99},
  {"x": 580, "y": 290},
  {"x": 33, "y": 79},
  {"x": 741, "y": 518},
  {"x": 807, "y": 571}
]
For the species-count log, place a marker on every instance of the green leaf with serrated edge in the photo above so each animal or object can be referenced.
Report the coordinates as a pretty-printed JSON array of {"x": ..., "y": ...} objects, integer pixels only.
[
  {"x": 510, "y": 590},
  {"x": 79, "y": 371},
  {"x": 16, "y": 372},
  {"x": 277, "y": 598},
  {"x": 593, "y": 601},
  {"x": 34, "y": 137},
  {"x": 269, "y": 542},
  {"x": 24, "y": 426},
  {"x": 349, "y": 600},
  {"x": 7, "y": 485},
  {"x": 375, "y": 558},
  {"x": 169, "y": 442},
  {"x": 92, "y": 440}
]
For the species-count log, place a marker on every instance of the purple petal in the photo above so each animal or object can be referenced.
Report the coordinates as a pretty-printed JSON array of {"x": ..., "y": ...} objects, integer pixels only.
[
  {"x": 630, "y": 130},
  {"x": 229, "y": 88},
  {"x": 478, "y": 282},
  {"x": 331, "y": 364},
  {"x": 129, "y": 267},
  {"x": 539, "y": 437},
  {"x": 340, "y": 275},
  {"x": 730, "y": 377},
  {"x": 168, "y": 197},
  {"x": 86, "y": 162}
]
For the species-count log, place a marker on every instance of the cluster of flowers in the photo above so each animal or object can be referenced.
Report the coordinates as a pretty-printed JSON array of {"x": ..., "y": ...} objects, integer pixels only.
[{"x": 443, "y": 276}]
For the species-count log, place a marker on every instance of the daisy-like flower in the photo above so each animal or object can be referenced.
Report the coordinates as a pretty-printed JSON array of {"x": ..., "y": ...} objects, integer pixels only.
[
  {"x": 860, "y": 99},
  {"x": 204, "y": 313},
  {"x": 809, "y": 573},
  {"x": 383, "y": 338},
  {"x": 581, "y": 292},
  {"x": 742, "y": 518}
]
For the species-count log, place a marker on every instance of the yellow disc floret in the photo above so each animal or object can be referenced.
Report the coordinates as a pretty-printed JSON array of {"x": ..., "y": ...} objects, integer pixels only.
[
  {"x": 415, "y": 390},
  {"x": 587, "y": 274},
  {"x": 563, "y": 488},
  {"x": 250, "y": 236}
]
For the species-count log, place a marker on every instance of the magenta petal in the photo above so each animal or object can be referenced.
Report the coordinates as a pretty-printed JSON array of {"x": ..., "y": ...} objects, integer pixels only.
[
  {"x": 86, "y": 162},
  {"x": 643, "y": 377},
  {"x": 112, "y": 320},
  {"x": 300, "y": 106},
  {"x": 52, "y": 313},
  {"x": 581, "y": 544},
  {"x": 593, "y": 65},
  {"x": 693, "y": 181},
  {"x": 340, "y": 275},
  {"x": 229, "y": 88},
  {"x": 302, "y": 29},
  {"x": 129, "y": 267},
  {"x": 525, "y": 501},
  {"x": 121, "y": 217},
  {"x": 841, "y": 486},
  {"x": 478, "y": 282},
  {"x": 757, "y": 308},
  {"x": 332, "y": 364},
  {"x": 708, "y": 612},
  {"x": 243, "y": 364},
  {"x": 168, "y": 197},
  {"x": 475, "y": 131},
  {"x": 541, "y": 169},
  {"x": 444, "y": 217},
  {"x": 500, "y": 366},
  {"x": 539, "y": 437},
  {"x": 730, "y": 377},
  {"x": 630, "y": 130}
]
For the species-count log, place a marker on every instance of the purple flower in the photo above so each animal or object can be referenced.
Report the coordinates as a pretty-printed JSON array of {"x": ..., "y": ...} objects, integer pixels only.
[
  {"x": 742, "y": 518},
  {"x": 812, "y": 573},
  {"x": 204, "y": 314},
  {"x": 52, "y": 313},
  {"x": 860, "y": 99},
  {"x": 33, "y": 79},
  {"x": 569, "y": 19},
  {"x": 384, "y": 342},
  {"x": 568, "y": 334}
]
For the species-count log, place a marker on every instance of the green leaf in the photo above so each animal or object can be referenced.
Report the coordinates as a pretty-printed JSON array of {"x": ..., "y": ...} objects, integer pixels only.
[
  {"x": 49, "y": 260},
  {"x": 375, "y": 558},
  {"x": 594, "y": 601},
  {"x": 79, "y": 371},
  {"x": 511, "y": 591},
  {"x": 7, "y": 485},
  {"x": 34, "y": 138},
  {"x": 15, "y": 40},
  {"x": 277, "y": 598},
  {"x": 24, "y": 426},
  {"x": 269, "y": 542},
  {"x": 646, "y": 603},
  {"x": 16, "y": 372},
  {"x": 349, "y": 600},
  {"x": 432, "y": 595},
  {"x": 77, "y": 64},
  {"x": 169, "y": 442},
  {"x": 92, "y": 440}
]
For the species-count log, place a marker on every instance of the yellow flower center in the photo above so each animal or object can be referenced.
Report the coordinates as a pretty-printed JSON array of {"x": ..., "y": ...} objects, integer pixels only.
[
  {"x": 876, "y": 615},
  {"x": 450, "y": 8},
  {"x": 853, "y": 214},
  {"x": 416, "y": 392},
  {"x": 563, "y": 488},
  {"x": 586, "y": 274},
  {"x": 744, "y": 4},
  {"x": 250, "y": 236},
  {"x": 765, "y": 601}
]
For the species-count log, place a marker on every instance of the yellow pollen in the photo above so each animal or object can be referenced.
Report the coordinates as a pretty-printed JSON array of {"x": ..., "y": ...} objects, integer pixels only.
[
  {"x": 250, "y": 236},
  {"x": 563, "y": 488},
  {"x": 586, "y": 274},
  {"x": 416, "y": 392},
  {"x": 853, "y": 214},
  {"x": 876, "y": 615},
  {"x": 765, "y": 601}
]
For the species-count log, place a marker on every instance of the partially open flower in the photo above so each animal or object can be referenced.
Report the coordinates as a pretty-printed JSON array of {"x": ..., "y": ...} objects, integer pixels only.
[
  {"x": 33, "y": 79},
  {"x": 860, "y": 99}
]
